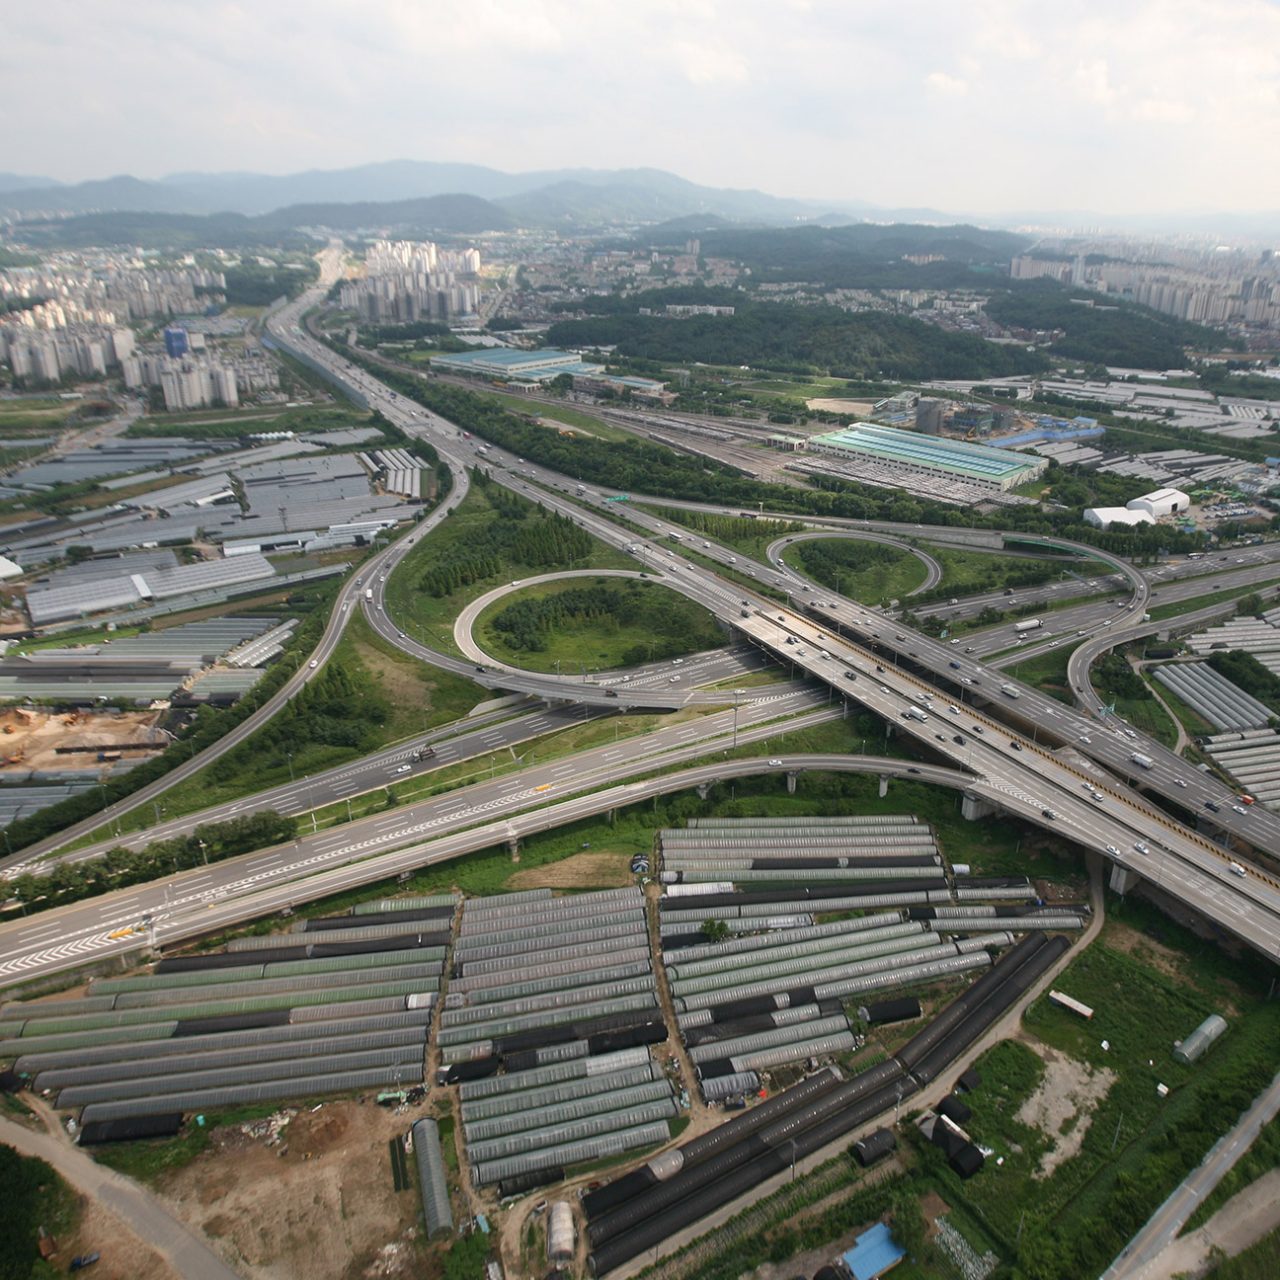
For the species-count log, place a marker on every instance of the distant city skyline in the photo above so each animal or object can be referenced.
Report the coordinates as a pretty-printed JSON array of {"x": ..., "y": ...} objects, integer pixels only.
[{"x": 1001, "y": 106}]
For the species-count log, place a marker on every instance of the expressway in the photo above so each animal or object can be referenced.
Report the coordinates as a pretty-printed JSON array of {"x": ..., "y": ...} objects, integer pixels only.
[
  {"x": 1111, "y": 744},
  {"x": 1013, "y": 774},
  {"x": 191, "y": 904},
  {"x": 1020, "y": 777}
]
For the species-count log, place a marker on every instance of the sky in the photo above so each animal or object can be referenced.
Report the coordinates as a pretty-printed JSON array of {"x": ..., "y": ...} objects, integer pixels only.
[{"x": 1120, "y": 106}]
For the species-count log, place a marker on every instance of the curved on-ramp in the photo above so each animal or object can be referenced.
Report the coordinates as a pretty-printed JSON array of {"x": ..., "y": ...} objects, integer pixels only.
[
  {"x": 466, "y": 620},
  {"x": 933, "y": 569}
]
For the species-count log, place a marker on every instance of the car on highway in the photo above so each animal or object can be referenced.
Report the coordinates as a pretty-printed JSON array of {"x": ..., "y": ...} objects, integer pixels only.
[
  {"x": 775, "y": 763},
  {"x": 1113, "y": 850},
  {"x": 1179, "y": 782},
  {"x": 404, "y": 768},
  {"x": 1014, "y": 745},
  {"x": 958, "y": 738},
  {"x": 1239, "y": 808},
  {"x": 1048, "y": 813},
  {"x": 1140, "y": 847},
  {"x": 1212, "y": 806},
  {"x": 315, "y": 662},
  {"x": 849, "y": 675},
  {"x": 954, "y": 665},
  {"x": 955, "y": 711},
  {"x": 1236, "y": 869}
]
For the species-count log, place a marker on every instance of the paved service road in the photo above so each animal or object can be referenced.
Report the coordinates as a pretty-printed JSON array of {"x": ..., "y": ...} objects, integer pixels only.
[
  {"x": 1142, "y": 1252},
  {"x": 185, "y": 1250}
]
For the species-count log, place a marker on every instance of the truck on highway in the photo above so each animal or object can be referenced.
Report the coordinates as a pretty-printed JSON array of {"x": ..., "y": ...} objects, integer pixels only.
[
  {"x": 915, "y": 713},
  {"x": 368, "y": 593},
  {"x": 1009, "y": 690},
  {"x": 1029, "y": 624},
  {"x": 1144, "y": 762}
]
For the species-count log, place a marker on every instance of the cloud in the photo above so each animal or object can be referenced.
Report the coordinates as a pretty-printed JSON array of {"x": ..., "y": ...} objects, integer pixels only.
[{"x": 1108, "y": 104}]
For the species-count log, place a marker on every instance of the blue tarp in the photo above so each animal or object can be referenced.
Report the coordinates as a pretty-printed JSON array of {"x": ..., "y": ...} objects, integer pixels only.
[{"x": 873, "y": 1254}]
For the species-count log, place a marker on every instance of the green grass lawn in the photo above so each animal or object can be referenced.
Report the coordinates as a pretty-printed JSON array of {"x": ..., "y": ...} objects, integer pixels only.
[
  {"x": 1260, "y": 1261},
  {"x": 1162, "y": 611},
  {"x": 869, "y": 572},
  {"x": 566, "y": 414},
  {"x": 431, "y": 618},
  {"x": 35, "y": 416},
  {"x": 671, "y": 626},
  {"x": 1150, "y": 983},
  {"x": 1047, "y": 672},
  {"x": 967, "y": 572}
]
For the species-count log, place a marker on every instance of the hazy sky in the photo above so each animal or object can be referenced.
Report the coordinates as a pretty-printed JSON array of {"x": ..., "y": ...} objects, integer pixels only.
[{"x": 967, "y": 105}]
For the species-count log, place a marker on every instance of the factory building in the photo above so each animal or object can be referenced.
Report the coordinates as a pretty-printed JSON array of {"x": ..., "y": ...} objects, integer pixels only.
[
  {"x": 1146, "y": 509},
  {"x": 974, "y": 464},
  {"x": 509, "y": 365}
]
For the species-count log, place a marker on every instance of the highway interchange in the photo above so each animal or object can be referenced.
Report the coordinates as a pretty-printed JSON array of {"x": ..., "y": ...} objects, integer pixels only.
[{"x": 858, "y": 652}]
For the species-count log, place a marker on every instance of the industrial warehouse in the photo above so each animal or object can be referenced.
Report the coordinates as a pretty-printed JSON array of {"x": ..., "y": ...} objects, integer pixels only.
[{"x": 929, "y": 466}]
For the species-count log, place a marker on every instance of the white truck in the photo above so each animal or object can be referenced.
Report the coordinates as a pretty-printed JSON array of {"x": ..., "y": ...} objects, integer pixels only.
[
  {"x": 1029, "y": 624},
  {"x": 916, "y": 714},
  {"x": 1144, "y": 762},
  {"x": 1008, "y": 690},
  {"x": 368, "y": 593}
]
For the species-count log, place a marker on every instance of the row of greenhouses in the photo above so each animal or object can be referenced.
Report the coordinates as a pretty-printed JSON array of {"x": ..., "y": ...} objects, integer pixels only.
[{"x": 337, "y": 1004}]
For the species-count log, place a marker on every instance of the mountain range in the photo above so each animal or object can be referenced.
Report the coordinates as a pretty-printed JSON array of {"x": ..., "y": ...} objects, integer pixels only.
[
  {"x": 469, "y": 198},
  {"x": 549, "y": 197}
]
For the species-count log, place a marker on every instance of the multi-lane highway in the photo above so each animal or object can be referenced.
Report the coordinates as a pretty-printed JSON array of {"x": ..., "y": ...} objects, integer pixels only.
[
  {"x": 1179, "y": 859},
  {"x": 1012, "y": 772}
]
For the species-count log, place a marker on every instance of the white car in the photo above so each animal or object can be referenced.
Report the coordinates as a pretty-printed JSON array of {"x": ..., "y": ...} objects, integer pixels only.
[
  {"x": 1239, "y": 808},
  {"x": 775, "y": 763},
  {"x": 1112, "y": 849},
  {"x": 404, "y": 768},
  {"x": 1179, "y": 782},
  {"x": 955, "y": 711},
  {"x": 315, "y": 662}
]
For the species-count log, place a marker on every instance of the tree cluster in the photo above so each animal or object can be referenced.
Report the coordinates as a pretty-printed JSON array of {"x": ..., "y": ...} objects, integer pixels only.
[
  {"x": 671, "y": 624},
  {"x": 119, "y": 867},
  {"x": 522, "y": 534},
  {"x": 805, "y": 340},
  {"x": 1108, "y": 332}
]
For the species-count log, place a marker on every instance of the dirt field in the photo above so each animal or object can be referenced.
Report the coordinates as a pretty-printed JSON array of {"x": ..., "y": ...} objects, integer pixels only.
[
  {"x": 828, "y": 404},
  {"x": 581, "y": 871},
  {"x": 29, "y": 738},
  {"x": 317, "y": 1201},
  {"x": 1063, "y": 1105}
]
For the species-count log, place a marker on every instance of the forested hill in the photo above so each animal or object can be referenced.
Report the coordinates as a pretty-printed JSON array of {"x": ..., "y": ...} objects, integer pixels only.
[
  {"x": 798, "y": 339},
  {"x": 1100, "y": 329},
  {"x": 871, "y": 256}
]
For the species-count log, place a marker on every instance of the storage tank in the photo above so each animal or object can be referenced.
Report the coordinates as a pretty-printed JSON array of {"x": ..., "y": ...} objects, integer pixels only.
[
  {"x": 1200, "y": 1039},
  {"x": 560, "y": 1233}
]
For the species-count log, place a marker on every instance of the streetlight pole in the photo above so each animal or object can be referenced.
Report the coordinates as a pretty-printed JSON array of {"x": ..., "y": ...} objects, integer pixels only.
[
  {"x": 292, "y": 780},
  {"x": 736, "y": 694}
]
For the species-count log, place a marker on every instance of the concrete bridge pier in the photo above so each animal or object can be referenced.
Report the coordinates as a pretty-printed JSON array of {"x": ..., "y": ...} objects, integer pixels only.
[
  {"x": 513, "y": 846},
  {"x": 791, "y": 782},
  {"x": 884, "y": 785},
  {"x": 1122, "y": 879},
  {"x": 974, "y": 807},
  {"x": 702, "y": 789}
]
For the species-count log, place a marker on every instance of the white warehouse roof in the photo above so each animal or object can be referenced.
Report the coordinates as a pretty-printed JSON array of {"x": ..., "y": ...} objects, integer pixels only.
[
  {"x": 1101, "y": 517},
  {"x": 1162, "y": 502}
]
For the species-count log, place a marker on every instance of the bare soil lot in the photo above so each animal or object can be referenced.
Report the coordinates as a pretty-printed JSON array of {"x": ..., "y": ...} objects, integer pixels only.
[{"x": 315, "y": 1200}]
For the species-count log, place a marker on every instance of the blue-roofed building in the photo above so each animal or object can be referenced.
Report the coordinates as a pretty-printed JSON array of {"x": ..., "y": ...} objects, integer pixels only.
[
  {"x": 873, "y": 1254},
  {"x": 510, "y": 365},
  {"x": 976, "y": 464}
]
